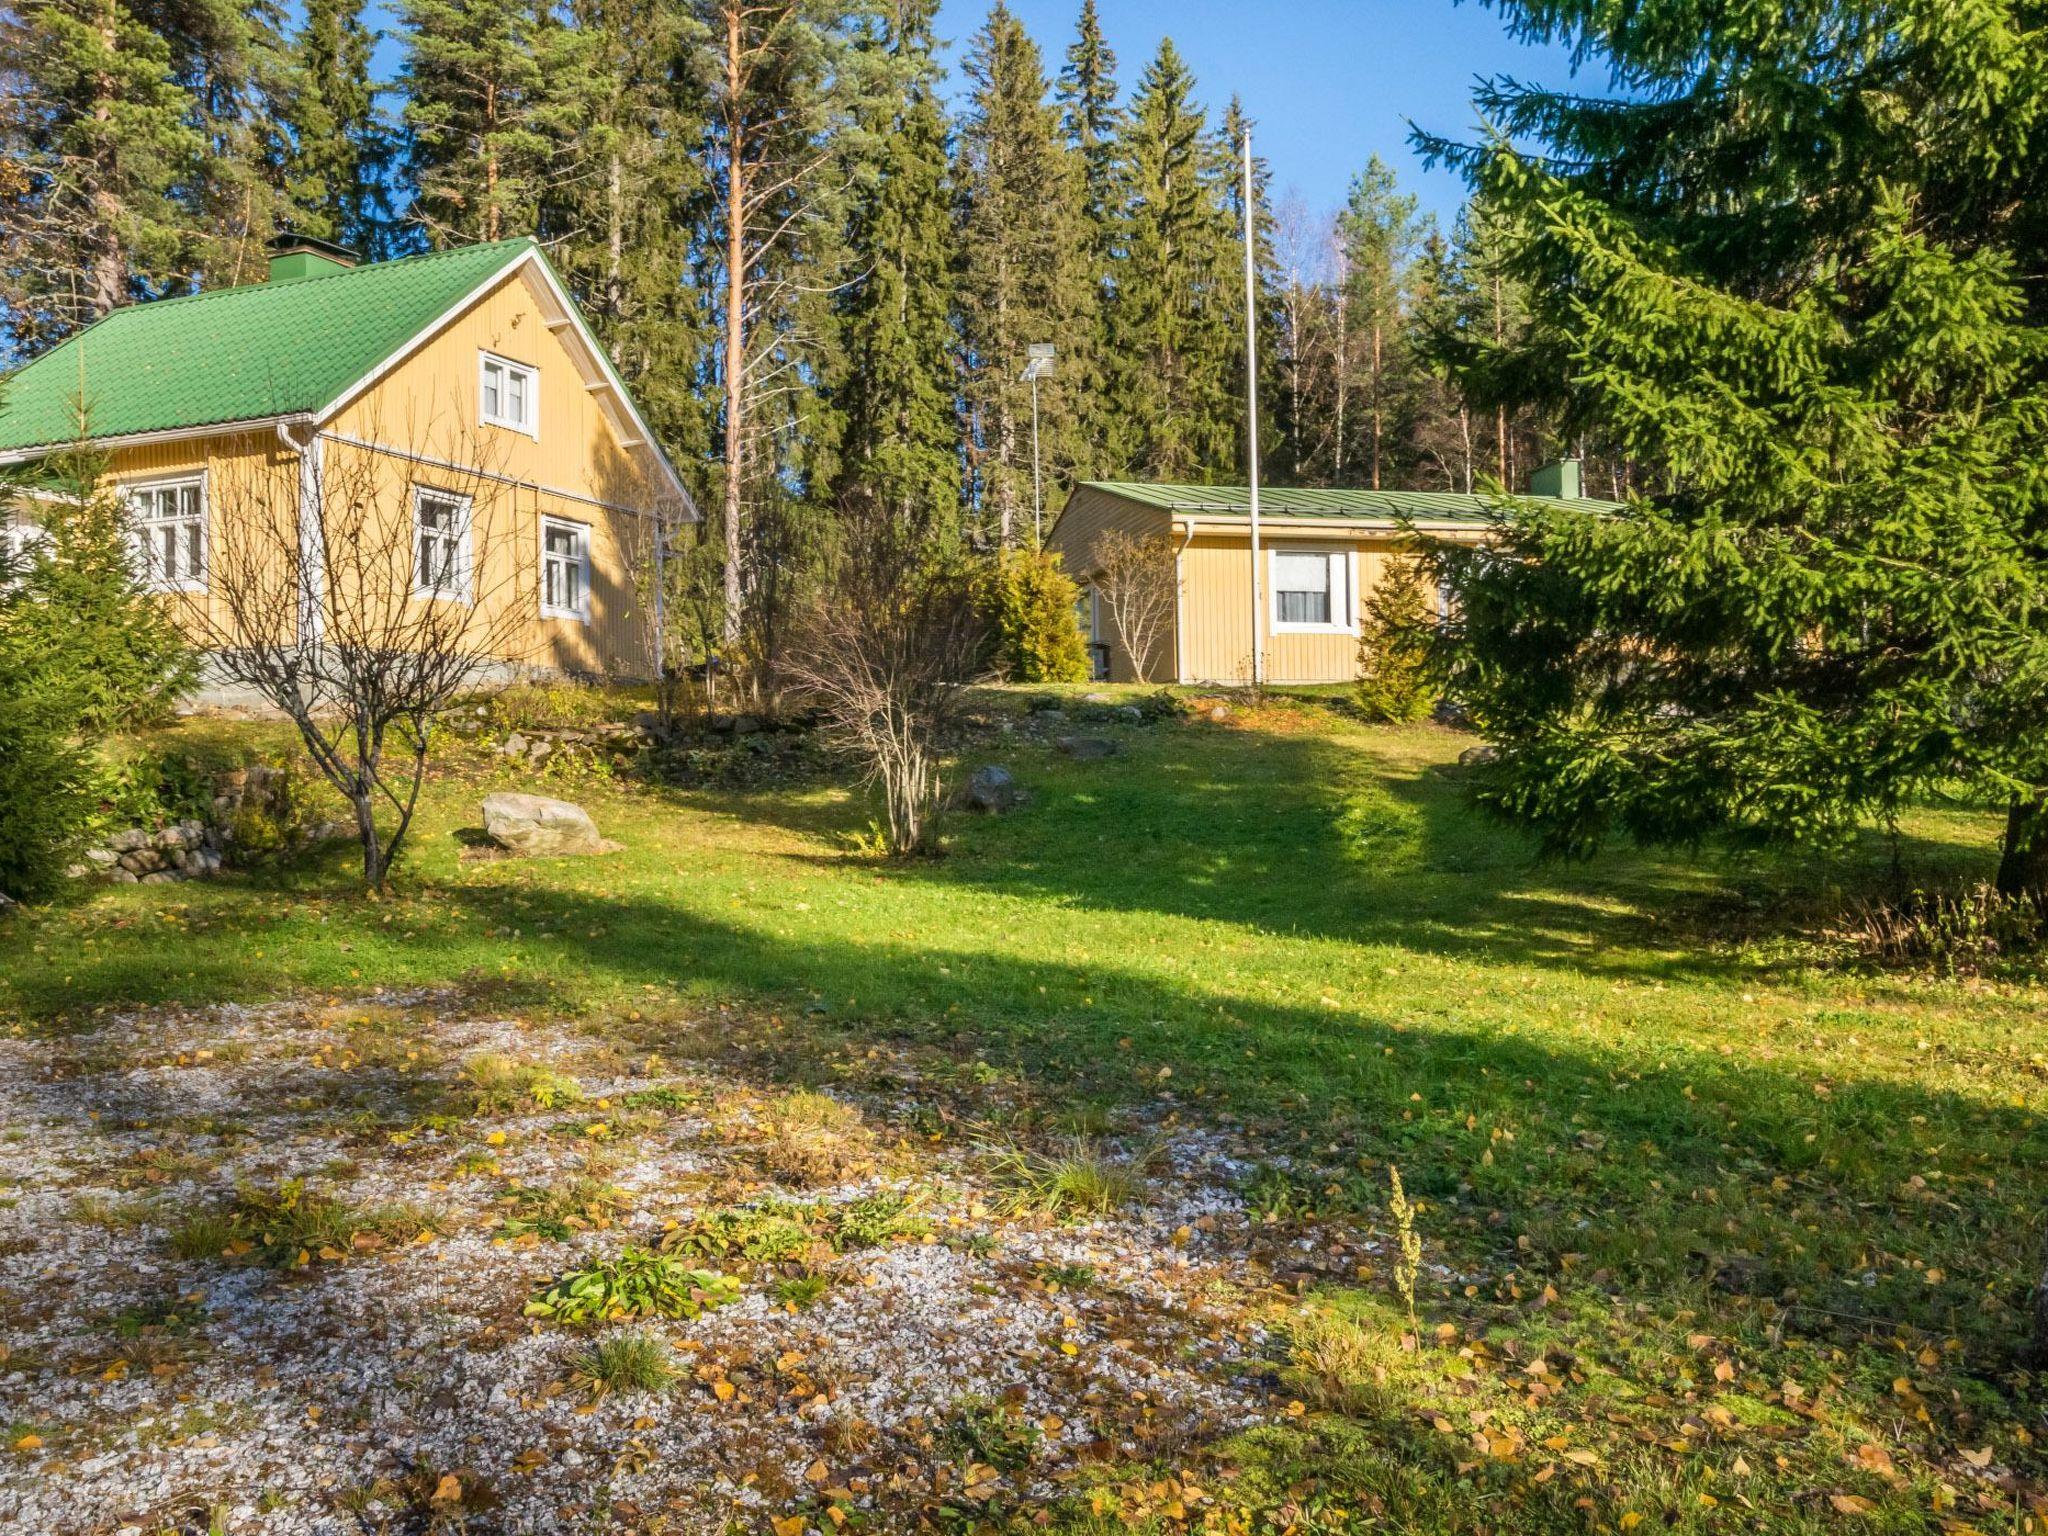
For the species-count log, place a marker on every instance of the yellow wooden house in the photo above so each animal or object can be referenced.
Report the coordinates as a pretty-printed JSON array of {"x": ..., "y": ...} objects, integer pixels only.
[
  {"x": 453, "y": 406},
  {"x": 1321, "y": 554}
]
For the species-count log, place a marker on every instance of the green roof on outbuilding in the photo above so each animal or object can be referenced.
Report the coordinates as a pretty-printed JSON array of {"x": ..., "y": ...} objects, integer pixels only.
[
  {"x": 237, "y": 354},
  {"x": 1230, "y": 501}
]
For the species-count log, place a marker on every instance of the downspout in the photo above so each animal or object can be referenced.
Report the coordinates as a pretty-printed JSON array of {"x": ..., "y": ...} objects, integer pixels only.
[
  {"x": 312, "y": 531},
  {"x": 1180, "y": 607}
]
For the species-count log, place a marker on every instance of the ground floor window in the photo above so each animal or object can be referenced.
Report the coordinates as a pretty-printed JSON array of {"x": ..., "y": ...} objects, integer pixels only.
[
  {"x": 564, "y": 569},
  {"x": 1311, "y": 589},
  {"x": 169, "y": 530},
  {"x": 441, "y": 557}
]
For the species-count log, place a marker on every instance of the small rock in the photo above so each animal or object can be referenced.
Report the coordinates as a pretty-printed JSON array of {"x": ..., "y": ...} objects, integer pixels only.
[
  {"x": 1086, "y": 749},
  {"x": 993, "y": 788},
  {"x": 572, "y": 1457},
  {"x": 539, "y": 827},
  {"x": 1218, "y": 713},
  {"x": 1096, "y": 698},
  {"x": 1478, "y": 757},
  {"x": 515, "y": 745},
  {"x": 77, "y": 871},
  {"x": 1130, "y": 714}
]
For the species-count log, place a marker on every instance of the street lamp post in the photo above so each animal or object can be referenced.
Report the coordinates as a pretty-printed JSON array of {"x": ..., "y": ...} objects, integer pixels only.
[{"x": 1041, "y": 356}]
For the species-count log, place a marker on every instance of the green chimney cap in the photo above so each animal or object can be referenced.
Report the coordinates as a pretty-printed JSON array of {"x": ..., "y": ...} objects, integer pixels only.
[
  {"x": 295, "y": 256},
  {"x": 1558, "y": 478}
]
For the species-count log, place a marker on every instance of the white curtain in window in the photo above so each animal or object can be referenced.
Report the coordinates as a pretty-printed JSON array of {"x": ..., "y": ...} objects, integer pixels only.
[{"x": 1304, "y": 587}]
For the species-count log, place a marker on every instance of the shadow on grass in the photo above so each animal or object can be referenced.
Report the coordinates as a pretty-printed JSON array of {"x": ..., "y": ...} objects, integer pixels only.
[{"x": 1308, "y": 836}]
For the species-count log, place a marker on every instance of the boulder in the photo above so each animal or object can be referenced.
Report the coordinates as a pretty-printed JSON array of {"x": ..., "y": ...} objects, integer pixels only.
[
  {"x": 130, "y": 841},
  {"x": 539, "y": 827},
  {"x": 1130, "y": 714},
  {"x": 1086, "y": 749},
  {"x": 103, "y": 857},
  {"x": 141, "y": 861},
  {"x": 993, "y": 788},
  {"x": 1478, "y": 757},
  {"x": 514, "y": 745},
  {"x": 1218, "y": 713}
]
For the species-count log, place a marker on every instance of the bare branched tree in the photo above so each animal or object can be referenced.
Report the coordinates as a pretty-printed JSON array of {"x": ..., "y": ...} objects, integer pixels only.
[
  {"x": 364, "y": 623},
  {"x": 887, "y": 650},
  {"x": 676, "y": 565},
  {"x": 1136, "y": 582}
]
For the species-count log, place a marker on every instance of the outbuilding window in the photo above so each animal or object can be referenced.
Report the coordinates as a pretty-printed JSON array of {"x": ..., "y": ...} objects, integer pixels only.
[
  {"x": 169, "y": 531},
  {"x": 441, "y": 556},
  {"x": 1311, "y": 590},
  {"x": 510, "y": 394},
  {"x": 564, "y": 569}
]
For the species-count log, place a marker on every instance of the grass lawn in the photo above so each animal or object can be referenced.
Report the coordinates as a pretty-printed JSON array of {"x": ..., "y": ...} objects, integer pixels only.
[{"x": 1717, "y": 1231}]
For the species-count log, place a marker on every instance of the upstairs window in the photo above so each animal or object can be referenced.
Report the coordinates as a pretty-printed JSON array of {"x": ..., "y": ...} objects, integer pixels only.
[
  {"x": 440, "y": 521},
  {"x": 510, "y": 395},
  {"x": 564, "y": 569},
  {"x": 169, "y": 530}
]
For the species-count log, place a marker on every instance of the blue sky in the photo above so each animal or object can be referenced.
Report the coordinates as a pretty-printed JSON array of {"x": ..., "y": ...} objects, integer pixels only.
[{"x": 1328, "y": 82}]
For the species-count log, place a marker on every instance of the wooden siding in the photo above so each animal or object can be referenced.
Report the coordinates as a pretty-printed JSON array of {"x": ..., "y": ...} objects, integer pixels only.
[
  {"x": 418, "y": 425},
  {"x": 1090, "y": 514}
]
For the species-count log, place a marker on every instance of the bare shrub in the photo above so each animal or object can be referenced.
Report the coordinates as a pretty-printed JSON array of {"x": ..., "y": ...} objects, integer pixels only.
[
  {"x": 354, "y": 588},
  {"x": 813, "y": 1139},
  {"x": 1137, "y": 584},
  {"x": 886, "y": 650}
]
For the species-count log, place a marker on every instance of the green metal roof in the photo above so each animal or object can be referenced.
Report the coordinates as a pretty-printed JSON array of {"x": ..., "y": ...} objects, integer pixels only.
[
  {"x": 237, "y": 354},
  {"x": 1225, "y": 501}
]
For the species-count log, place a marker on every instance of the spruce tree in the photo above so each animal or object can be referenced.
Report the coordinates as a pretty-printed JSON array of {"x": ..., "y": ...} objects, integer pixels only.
[
  {"x": 1177, "y": 306},
  {"x": 1786, "y": 277},
  {"x": 1023, "y": 278},
  {"x": 98, "y": 140},
  {"x": 1091, "y": 120},
  {"x": 900, "y": 439},
  {"x": 337, "y": 154}
]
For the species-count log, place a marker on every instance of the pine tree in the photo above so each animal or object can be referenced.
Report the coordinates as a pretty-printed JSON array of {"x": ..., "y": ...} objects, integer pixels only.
[
  {"x": 631, "y": 179},
  {"x": 1176, "y": 310},
  {"x": 98, "y": 136},
  {"x": 789, "y": 88},
  {"x": 1792, "y": 291},
  {"x": 487, "y": 108},
  {"x": 338, "y": 149},
  {"x": 1380, "y": 233},
  {"x": 901, "y": 439},
  {"x": 1024, "y": 275}
]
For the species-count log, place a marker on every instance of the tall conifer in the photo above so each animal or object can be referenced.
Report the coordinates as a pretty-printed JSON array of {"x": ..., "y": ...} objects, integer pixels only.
[
  {"x": 1023, "y": 276},
  {"x": 901, "y": 435}
]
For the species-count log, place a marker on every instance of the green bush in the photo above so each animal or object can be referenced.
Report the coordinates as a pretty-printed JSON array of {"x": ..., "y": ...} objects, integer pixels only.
[
  {"x": 82, "y": 648},
  {"x": 638, "y": 1283},
  {"x": 1396, "y": 679},
  {"x": 1028, "y": 604}
]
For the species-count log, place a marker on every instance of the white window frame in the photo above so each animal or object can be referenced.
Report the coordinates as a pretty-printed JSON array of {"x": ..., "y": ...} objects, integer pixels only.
[
  {"x": 581, "y": 611},
  {"x": 1343, "y": 564},
  {"x": 465, "y": 553},
  {"x": 19, "y": 539},
  {"x": 138, "y": 528},
  {"x": 530, "y": 422}
]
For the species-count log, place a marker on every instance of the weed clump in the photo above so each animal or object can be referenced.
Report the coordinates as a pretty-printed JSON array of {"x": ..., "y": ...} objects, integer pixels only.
[
  {"x": 1079, "y": 1178},
  {"x": 813, "y": 1139},
  {"x": 623, "y": 1363},
  {"x": 498, "y": 1083}
]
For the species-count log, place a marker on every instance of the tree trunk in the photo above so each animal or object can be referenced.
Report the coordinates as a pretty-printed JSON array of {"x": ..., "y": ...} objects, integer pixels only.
[
  {"x": 366, "y": 832},
  {"x": 735, "y": 322},
  {"x": 2023, "y": 865}
]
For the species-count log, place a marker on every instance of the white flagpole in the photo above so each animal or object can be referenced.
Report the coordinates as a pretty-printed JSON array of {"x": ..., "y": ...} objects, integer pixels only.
[{"x": 1251, "y": 391}]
